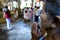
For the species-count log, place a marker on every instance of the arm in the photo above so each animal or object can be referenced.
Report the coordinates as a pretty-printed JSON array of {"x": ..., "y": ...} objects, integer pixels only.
[{"x": 3, "y": 14}]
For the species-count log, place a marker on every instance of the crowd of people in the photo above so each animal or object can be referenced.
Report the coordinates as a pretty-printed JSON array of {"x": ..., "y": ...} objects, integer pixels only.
[{"x": 29, "y": 13}]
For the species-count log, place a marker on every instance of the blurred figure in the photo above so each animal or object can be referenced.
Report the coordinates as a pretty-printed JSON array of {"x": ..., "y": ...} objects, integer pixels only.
[
  {"x": 26, "y": 15},
  {"x": 38, "y": 11},
  {"x": 22, "y": 12},
  {"x": 34, "y": 12},
  {"x": 37, "y": 32},
  {"x": 30, "y": 14},
  {"x": 15, "y": 13},
  {"x": 37, "y": 14},
  {"x": 7, "y": 16}
]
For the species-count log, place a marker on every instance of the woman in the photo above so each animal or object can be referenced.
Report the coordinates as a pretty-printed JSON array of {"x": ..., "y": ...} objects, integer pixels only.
[
  {"x": 26, "y": 15},
  {"x": 7, "y": 16}
]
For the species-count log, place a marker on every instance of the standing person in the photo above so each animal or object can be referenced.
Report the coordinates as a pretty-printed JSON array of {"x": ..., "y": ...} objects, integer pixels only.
[
  {"x": 30, "y": 14},
  {"x": 15, "y": 13},
  {"x": 7, "y": 16},
  {"x": 22, "y": 12},
  {"x": 39, "y": 10},
  {"x": 26, "y": 15},
  {"x": 37, "y": 14},
  {"x": 34, "y": 12},
  {"x": 36, "y": 30}
]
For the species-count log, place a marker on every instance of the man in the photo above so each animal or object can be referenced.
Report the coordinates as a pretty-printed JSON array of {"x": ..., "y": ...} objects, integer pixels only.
[
  {"x": 36, "y": 29},
  {"x": 37, "y": 14}
]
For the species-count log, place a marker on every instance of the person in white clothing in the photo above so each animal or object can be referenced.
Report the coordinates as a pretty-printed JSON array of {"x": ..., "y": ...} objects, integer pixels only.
[
  {"x": 39, "y": 10},
  {"x": 37, "y": 32},
  {"x": 37, "y": 14},
  {"x": 26, "y": 15}
]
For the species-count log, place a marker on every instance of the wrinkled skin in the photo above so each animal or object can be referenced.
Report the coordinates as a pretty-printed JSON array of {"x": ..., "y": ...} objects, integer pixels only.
[
  {"x": 51, "y": 26},
  {"x": 51, "y": 20}
]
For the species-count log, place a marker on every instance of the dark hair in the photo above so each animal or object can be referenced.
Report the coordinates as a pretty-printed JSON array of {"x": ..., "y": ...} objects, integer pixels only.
[
  {"x": 25, "y": 11},
  {"x": 31, "y": 8},
  {"x": 37, "y": 7},
  {"x": 6, "y": 7}
]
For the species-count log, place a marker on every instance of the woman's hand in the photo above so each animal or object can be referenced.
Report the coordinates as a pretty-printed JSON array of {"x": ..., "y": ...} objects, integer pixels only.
[{"x": 3, "y": 15}]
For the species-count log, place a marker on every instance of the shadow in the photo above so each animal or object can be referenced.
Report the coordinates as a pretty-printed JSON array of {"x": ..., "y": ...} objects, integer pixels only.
[{"x": 3, "y": 34}]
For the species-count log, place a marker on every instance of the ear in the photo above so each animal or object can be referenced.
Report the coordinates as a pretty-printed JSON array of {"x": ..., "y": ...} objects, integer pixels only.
[{"x": 58, "y": 17}]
